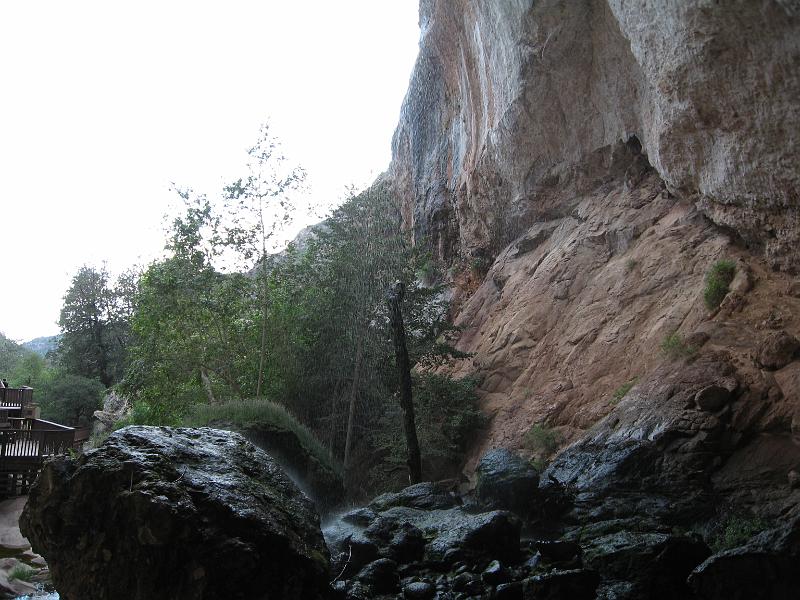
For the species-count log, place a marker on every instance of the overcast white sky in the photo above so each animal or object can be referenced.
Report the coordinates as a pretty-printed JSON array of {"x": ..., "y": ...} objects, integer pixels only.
[{"x": 103, "y": 104}]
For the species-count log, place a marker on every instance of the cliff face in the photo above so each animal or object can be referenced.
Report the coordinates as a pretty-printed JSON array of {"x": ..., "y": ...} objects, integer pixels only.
[
  {"x": 582, "y": 165},
  {"x": 507, "y": 96}
]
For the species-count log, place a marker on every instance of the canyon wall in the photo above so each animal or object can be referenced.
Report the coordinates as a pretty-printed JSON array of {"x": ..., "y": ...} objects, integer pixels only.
[
  {"x": 577, "y": 167},
  {"x": 506, "y": 96}
]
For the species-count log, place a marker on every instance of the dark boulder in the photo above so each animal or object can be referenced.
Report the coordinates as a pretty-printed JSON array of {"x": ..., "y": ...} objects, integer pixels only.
[
  {"x": 162, "y": 513},
  {"x": 653, "y": 455},
  {"x": 715, "y": 397},
  {"x": 777, "y": 350},
  {"x": 461, "y": 535},
  {"x": 575, "y": 584},
  {"x": 655, "y": 564},
  {"x": 494, "y": 573},
  {"x": 427, "y": 495},
  {"x": 509, "y": 591},
  {"x": 439, "y": 537},
  {"x": 765, "y": 568},
  {"x": 362, "y": 517},
  {"x": 381, "y": 576},
  {"x": 506, "y": 481},
  {"x": 407, "y": 544},
  {"x": 419, "y": 590}
]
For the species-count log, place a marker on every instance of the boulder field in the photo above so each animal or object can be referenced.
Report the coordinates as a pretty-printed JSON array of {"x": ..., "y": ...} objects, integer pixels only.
[{"x": 185, "y": 514}]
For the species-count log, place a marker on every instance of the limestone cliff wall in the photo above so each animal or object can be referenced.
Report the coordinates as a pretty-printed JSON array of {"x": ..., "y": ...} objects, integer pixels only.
[
  {"x": 579, "y": 165},
  {"x": 507, "y": 95}
]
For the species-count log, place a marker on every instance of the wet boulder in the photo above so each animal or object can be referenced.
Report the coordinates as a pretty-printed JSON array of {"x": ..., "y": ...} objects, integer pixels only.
[
  {"x": 576, "y": 584},
  {"x": 380, "y": 576},
  {"x": 427, "y": 495},
  {"x": 310, "y": 468},
  {"x": 655, "y": 565},
  {"x": 419, "y": 590},
  {"x": 765, "y": 567},
  {"x": 438, "y": 537},
  {"x": 506, "y": 481},
  {"x": 163, "y": 513},
  {"x": 649, "y": 458}
]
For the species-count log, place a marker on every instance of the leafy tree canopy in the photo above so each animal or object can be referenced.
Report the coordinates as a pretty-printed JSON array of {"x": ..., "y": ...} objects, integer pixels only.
[{"x": 95, "y": 324}]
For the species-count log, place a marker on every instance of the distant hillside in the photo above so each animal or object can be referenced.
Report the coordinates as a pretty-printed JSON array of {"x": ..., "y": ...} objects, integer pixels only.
[
  {"x": 11, "y": 354},
  {"x": 43, "y": 345}
]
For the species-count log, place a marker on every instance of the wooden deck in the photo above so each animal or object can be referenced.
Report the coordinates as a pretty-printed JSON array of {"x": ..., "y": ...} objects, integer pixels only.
[{"x": 26, "y": 441}]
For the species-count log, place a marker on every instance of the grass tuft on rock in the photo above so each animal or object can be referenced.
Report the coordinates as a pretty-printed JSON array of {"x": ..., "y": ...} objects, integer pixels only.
[
  {"x": 622, "y": 391},
  {"x": 541, "y": 439},
  {"x": 718, "y": 281},
  {"x": 21, "y": 573},
  {"x": 674, "y": 347}
]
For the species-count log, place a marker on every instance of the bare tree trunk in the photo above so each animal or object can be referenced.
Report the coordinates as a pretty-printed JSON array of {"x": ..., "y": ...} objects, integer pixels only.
[
  {"x": 207, "y": 385},
  {"x": 263, "y": 350},
  {"x": 351, "y": 413},
  {"x": 394, "y": 297}
]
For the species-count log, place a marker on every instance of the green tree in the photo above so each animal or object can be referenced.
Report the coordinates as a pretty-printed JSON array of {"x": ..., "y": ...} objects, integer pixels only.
[
  {"x": 31, "y": 371},
  {"x": 95, "y": 324},
  {"x": 70, "y": 399},
  {"x": 191, "y": 337},
  {"x": 259, "y": 206},
  {"x": 11, "y": 354}
]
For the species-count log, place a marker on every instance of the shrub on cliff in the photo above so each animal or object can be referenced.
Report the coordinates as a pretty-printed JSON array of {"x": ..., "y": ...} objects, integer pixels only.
[
  {"x": 718, "y": 281},
  {"x": 737, "y": 530},
  {"x": 541, "y": 439},
  {"x": 674, "y": 347},
  {"x": 623, "y": 390}
]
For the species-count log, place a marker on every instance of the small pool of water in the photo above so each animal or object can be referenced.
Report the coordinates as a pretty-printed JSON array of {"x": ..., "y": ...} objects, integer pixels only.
[{"x": 43, "y": 596}]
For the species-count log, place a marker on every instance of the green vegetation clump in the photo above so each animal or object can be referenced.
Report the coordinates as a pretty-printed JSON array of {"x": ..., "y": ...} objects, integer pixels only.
[
  {"x": 718, "y": 281},
  {"x": 260, "y": 412},
  {"x": 623, "y": 390},
  {"x": 21, "y": 573},
  {"x": 541, "y": 439},
  {"x": 480, "y": 265},
  {"x": 674, "y": 347},
  {"x": 737, "y": 530}
]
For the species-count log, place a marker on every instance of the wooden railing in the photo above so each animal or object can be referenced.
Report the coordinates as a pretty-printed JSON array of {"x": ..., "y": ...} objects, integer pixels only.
[
  {"x": 35, "y": 438},
  {"x": 15, "y": 397},
  {"x": 23, "y": 443}
]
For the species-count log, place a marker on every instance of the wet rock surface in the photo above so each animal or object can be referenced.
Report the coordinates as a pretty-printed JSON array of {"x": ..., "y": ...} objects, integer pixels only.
[
  {"x": 168, "y": 513},
  {"x": 766, "y": 567},
  {"x": 318, "y": 480},
  {"x": 506, "y": 481},
  {"x": 472, "y": 551}
]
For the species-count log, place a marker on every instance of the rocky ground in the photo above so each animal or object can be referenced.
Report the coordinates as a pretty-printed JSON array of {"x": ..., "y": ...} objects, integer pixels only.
[
  {"x": 22, "y": 571},
  {"x": 426, "y": 542},
  {"x": 161, "y": 513}
]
